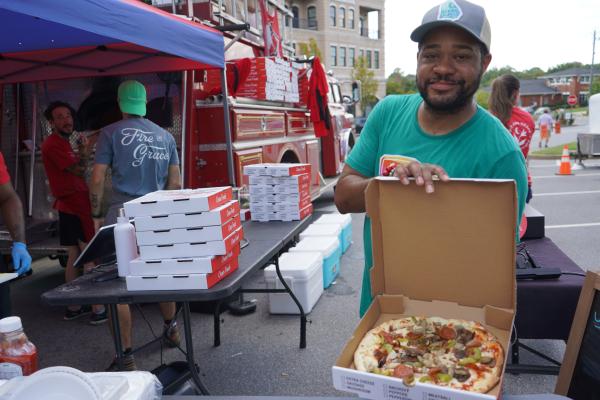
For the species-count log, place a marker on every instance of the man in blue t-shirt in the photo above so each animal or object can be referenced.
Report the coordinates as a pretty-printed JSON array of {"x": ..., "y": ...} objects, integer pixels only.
[
  {"x": 442, "y": 128},
  {"x": 143, "y": 158}
]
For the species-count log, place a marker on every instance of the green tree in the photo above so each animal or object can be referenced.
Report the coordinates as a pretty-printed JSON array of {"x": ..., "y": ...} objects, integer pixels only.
[
  {"x": 368, "y": 84},
  {"x": 398, "y": 83},
  {"x": 562, "y": 67},
  {"x": 310, "y": 49},
  {"x": 493, "y": 73},
  {"x": 595, "y": 86},
  {"x": 482, "y": 97}
]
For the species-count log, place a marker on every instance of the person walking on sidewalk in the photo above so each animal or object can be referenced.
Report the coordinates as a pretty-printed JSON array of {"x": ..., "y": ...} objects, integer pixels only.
[
  {"x": 545, "y": 122},
  {"x": 65, "y": 171},
  {"x": 520, "y": 124},
  {"x": 143, "y": 158},
  {"x": 441, "y": 126}
]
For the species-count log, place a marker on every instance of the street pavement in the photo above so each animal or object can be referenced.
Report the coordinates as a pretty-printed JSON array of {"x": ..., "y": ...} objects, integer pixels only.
[{"x": 259, "y": 354}]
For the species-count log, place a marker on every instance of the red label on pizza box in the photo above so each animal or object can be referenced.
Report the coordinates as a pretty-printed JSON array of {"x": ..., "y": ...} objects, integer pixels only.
[
  {"x": 221, "y": 273},
  {"x": 234, "y": 239},
  {"x": 219, "y": 261},
  {"x": 306, "y": 211},
  {"x": 231, "y": 226}
]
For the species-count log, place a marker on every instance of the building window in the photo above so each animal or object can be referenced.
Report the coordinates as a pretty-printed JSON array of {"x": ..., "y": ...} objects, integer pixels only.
[
  {"x": 296, "y": 18},
  {"x": 351, "y": 56},
  {"x": 369, "y": 61},
  {"x": 333, "y": 56},
  {"x": 311, "y": 13},
  {"x": 376, "y": 61},
  {"x": 332, "y": 15},
  {"x": 342, "y": 17},
  {"x": 351, "y": 18},
  {"x": 342, "y": 56}
]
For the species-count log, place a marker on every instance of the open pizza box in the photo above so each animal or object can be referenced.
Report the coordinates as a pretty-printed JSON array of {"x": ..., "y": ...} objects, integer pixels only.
[{"x": 448, "y": 254}]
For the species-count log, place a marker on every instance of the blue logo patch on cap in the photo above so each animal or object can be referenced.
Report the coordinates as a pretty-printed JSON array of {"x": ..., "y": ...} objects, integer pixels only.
[{"x": 449, "y": 11}]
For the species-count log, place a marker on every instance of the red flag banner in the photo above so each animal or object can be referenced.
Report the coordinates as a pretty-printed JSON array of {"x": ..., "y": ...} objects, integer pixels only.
[{"x": 271, "y": 32}]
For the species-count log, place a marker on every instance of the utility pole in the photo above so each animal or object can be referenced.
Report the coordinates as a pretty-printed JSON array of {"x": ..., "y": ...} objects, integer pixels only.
[{"x": 592, "y": 67}]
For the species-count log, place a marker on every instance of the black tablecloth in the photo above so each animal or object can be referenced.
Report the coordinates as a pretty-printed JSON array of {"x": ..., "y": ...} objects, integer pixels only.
[{"x": 545, "y": 307}]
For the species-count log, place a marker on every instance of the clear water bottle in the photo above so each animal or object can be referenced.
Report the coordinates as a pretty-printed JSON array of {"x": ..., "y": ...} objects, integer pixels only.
[
  {"x": 18, "y": 356},
  {"x": 125, "y": 243}
]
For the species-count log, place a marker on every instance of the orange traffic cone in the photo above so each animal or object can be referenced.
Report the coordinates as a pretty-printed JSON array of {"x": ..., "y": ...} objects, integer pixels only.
[
  {"x": 557, "y": 127},
  {"x": 565, "y": 163}
]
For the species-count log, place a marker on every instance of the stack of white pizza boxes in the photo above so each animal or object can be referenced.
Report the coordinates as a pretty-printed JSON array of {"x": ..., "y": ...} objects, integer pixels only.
[
  {"x": 187, "y": 239},
  {"x": 279, "y": 192}
]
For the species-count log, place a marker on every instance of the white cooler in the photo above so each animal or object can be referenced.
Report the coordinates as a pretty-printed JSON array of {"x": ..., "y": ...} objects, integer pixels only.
[
  {"x": 303, "y": 274},
  {"x": 329, "y": 247},
  {"x": 345, "y": 221}
]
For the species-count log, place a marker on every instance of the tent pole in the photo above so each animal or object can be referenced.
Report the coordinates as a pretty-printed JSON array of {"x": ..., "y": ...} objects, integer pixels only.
[
  {"x": 184, "y": 108},
  {"x": 18, "y": 126},
  {"x": 230, "y": 163},
  {"x": 34, "y": 123}
]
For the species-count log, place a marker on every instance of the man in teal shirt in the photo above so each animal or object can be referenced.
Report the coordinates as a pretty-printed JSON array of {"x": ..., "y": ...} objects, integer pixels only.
[{"x": 441, "y": 127}]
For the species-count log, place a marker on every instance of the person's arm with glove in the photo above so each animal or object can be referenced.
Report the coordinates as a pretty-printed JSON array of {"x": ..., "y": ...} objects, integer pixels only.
[{"x": 12, "y": 215}]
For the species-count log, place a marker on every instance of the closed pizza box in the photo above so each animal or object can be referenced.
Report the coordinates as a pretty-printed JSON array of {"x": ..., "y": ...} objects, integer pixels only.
[
  {"x": 182, "y": 201},
  {"x": 180, "y": 281},
  {"x": 302, "y": 190},
  {"x": 449, "y": 254},
  {"x": 186, "y": 235},
  {"x": 294, "y": 180},
  {"x": 290, "y": 215},
  {"x": 217, "y": 216},
  {"x": 280, "y": 197},
  {"x": 191, "y": 249},
  {"x": 279, "y": 206},
  {"x": 277, "y": 169},
  {"x": 175, "y": 266}
]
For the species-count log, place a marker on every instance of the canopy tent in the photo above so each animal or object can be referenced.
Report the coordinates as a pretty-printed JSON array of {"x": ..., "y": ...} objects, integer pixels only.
[{"x": 43, "y": 39}]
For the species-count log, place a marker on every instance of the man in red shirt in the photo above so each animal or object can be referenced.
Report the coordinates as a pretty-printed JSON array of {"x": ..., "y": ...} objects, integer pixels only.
[
  {"x": 12, "y": 216},
  {"x": 65, "y": 171}
]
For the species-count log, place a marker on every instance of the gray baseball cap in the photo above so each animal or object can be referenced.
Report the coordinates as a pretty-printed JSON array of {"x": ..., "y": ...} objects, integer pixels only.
[{"x": 459, "y": 13}]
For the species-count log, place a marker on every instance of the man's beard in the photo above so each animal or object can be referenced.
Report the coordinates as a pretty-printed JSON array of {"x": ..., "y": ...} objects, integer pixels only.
[
  {"x": 65, "y": 134},
  {"x": 455, "y": 103}
]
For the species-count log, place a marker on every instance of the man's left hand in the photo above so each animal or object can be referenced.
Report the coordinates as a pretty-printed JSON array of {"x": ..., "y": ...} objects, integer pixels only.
[
  {"x": 423, "y": 174},
  {"x": 21, "y": 258}
]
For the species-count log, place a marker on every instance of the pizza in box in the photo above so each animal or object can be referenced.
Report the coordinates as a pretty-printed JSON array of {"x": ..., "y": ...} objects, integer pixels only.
[{"x": 447, "y": 352}]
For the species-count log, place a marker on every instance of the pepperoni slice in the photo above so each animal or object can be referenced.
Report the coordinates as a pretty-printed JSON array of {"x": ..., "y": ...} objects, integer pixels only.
[
  {"x": 447, "y": 333},
  {"x": 387, "y": 337},
  {"x": 403, "y": 371}
]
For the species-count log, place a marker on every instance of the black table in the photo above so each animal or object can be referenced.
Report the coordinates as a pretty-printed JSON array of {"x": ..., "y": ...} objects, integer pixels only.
[
  {"x": 545, "y": 307},
  {"x": 266, "y": 240}
]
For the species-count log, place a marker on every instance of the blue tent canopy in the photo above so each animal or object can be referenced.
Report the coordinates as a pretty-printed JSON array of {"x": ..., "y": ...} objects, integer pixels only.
[{"x": 46, "y": 39}]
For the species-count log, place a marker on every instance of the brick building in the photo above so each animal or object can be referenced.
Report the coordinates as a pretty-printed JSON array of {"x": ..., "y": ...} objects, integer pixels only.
[{"x": 572, "y": 81}]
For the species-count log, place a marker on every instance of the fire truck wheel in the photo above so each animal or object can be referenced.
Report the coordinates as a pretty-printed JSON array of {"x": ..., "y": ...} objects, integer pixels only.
[{"x": 62, "y": 261}]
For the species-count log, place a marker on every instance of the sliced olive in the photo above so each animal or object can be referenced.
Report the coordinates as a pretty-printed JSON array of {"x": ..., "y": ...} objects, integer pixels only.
[{"x": 462, "y": 374}]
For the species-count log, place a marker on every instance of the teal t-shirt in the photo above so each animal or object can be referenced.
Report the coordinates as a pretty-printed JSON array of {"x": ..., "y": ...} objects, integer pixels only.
[{"x": 480, "y": 148}]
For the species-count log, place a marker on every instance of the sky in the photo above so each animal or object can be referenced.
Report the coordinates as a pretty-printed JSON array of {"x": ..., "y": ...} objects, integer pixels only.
[{"x": 525, "y": 33}]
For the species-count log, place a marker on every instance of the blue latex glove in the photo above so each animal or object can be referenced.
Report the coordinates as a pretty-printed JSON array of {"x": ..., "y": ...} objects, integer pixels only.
[{"x": 21, "y": 258}]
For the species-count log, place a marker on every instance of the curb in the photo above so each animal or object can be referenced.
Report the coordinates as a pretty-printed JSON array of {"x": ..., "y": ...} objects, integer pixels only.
[{"x": 543, "y": 157}]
